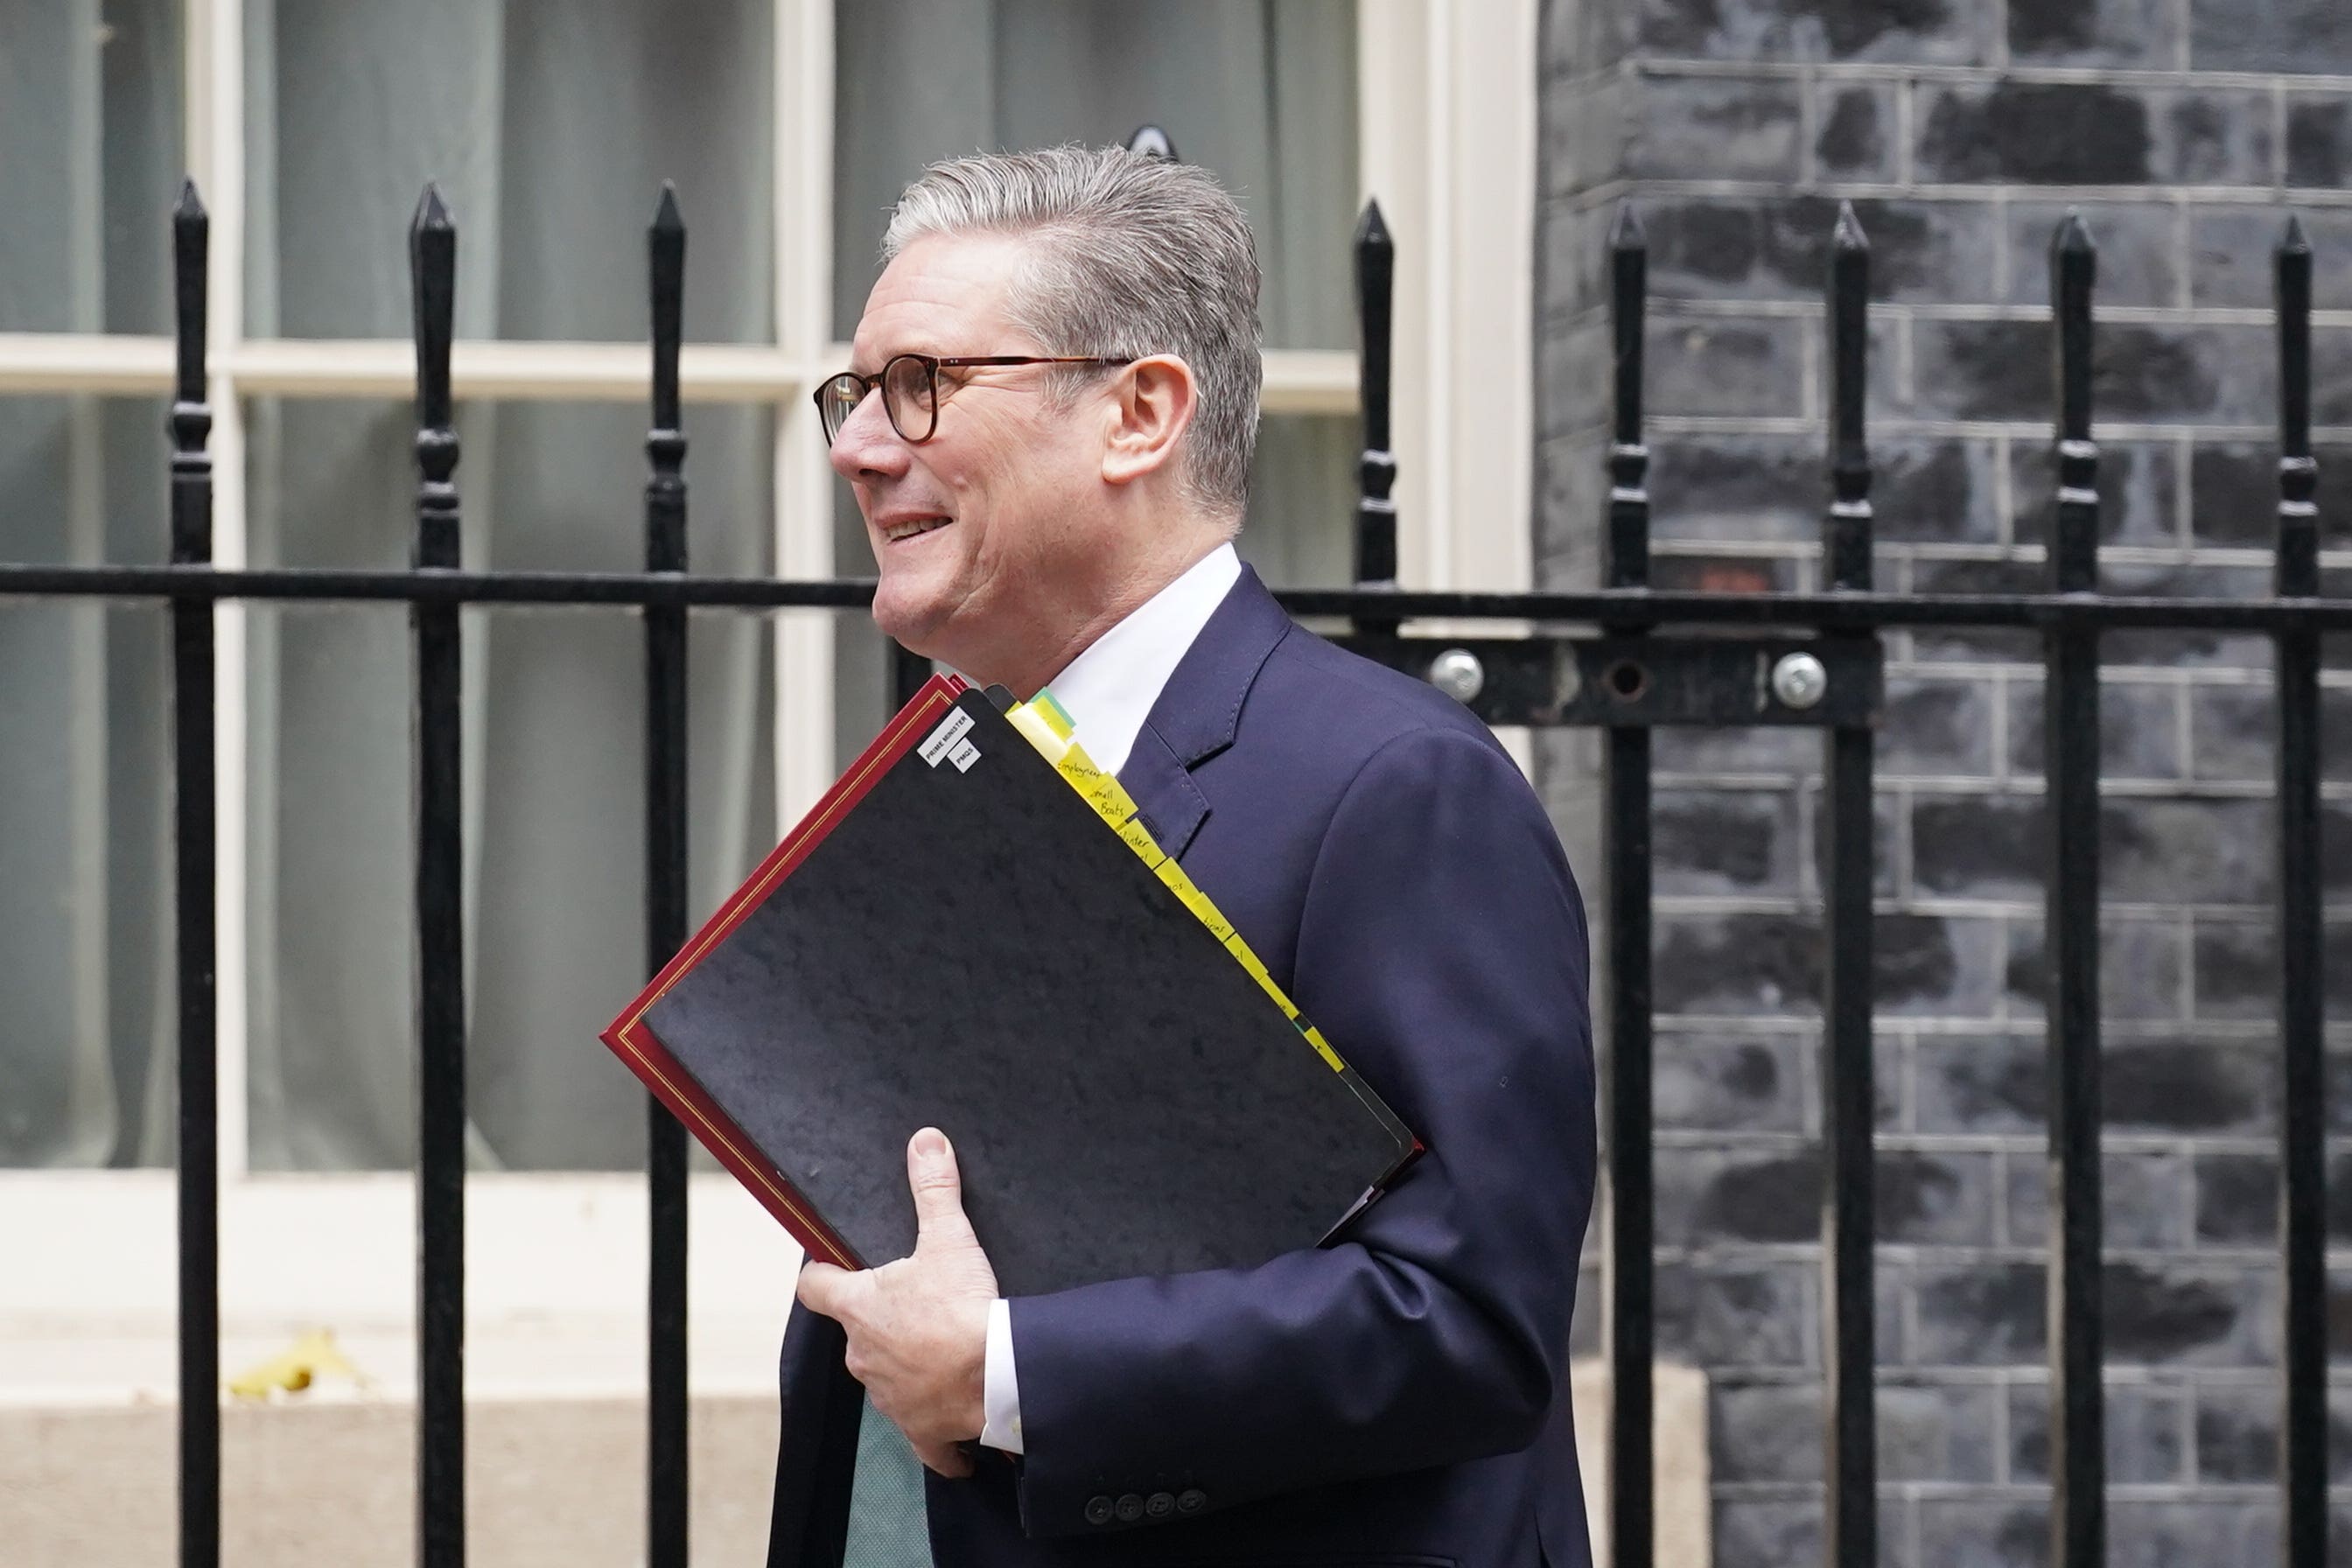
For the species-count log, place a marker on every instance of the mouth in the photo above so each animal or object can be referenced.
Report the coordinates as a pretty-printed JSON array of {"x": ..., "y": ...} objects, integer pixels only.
[{"x": 900, "y": 530}]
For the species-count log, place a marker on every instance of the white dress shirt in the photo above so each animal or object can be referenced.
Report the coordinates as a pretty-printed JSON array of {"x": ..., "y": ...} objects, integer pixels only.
[{"x": 1107, "y": 691}]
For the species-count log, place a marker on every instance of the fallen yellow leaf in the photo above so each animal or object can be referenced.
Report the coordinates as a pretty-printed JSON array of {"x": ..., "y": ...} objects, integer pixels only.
[{"x": 294, "y": 1369}]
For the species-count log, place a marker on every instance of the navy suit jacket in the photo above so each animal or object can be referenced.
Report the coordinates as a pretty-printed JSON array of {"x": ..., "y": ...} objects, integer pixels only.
[{"x": 1401, "y": 1397}]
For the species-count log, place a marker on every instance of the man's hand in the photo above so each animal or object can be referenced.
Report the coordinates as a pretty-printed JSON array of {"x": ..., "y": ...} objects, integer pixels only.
[{"x": 918, "y": 1327}]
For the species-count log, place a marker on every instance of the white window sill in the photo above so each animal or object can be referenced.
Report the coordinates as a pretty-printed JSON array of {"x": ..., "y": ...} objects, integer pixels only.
[{"x": 555, "y": 1283}]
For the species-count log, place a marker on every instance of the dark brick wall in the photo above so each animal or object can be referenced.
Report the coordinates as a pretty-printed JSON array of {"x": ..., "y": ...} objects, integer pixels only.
[{"x": 1963, "y": 130}]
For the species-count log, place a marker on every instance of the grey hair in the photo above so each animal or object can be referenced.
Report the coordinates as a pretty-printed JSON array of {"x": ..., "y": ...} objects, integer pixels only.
[{"x": 1135, "y": 255}]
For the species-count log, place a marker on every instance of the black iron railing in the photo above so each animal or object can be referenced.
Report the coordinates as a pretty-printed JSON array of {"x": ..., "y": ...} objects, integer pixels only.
[{"x": 1660, "y": 657}]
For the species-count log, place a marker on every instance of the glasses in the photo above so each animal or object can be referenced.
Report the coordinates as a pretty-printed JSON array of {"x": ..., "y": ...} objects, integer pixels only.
[{"x": 910, "y": 389}]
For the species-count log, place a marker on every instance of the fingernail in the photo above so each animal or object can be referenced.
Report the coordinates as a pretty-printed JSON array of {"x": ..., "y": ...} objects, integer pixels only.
[{"x": 930, "y": 1143}]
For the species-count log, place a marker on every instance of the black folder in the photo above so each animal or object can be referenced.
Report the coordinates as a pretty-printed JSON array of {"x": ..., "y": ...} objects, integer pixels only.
[{"x": 957, "y": 937}]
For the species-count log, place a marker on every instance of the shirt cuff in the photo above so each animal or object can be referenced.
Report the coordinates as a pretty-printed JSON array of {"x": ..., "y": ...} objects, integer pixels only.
[{"x": 1000, "y": 1391}]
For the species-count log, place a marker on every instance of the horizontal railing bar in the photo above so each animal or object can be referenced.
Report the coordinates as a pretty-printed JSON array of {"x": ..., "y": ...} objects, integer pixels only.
[{"x": 1844, "y": 612}]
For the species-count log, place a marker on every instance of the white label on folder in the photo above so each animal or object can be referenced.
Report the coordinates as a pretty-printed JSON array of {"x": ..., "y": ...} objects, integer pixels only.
[
  {"x": 944, "y": 738},
  {"x": 964, "y": 756}
]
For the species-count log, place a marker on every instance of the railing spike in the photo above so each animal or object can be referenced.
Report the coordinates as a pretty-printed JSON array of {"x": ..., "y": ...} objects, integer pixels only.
[
  {"x": 1849, "y": 235},
  {"x": 665, "y": 250},
  {"x": 666, "y": 1424},
  {"x": 1152, "y": 140},
  {"x": 1846, "y": 543},
  {"x": 2071, "y": 765},
  {"x": 440, "y": 951},
  {"x": 1376, "y": 548},
  {"x": 2303, "y": 1440},
  {"x": 2073, "y": 236},
  {"x": 191, "y": 241},
  {"x": 195, "y": 883},
  {"x": 432, "y": 269},
  {"x": 1627, "y": 546},
  {"x": 1625, "y": 229}
]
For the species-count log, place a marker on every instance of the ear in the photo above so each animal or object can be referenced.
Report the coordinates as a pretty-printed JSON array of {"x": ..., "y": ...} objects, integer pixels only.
[{"x": 1151, "y": 405}]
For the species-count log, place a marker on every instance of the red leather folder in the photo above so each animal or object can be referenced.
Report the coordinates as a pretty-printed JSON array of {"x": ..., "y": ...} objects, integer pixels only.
[
  {"x": 636, "y": 1044},
  {"x": 954, "y": 937}
]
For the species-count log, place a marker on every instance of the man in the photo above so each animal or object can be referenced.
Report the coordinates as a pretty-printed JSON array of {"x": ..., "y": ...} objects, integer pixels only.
[{"x": 1048, "y": 424}]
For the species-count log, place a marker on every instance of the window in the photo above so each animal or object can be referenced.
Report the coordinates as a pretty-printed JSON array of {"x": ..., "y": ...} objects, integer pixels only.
[{"x": 549, "y": 125}]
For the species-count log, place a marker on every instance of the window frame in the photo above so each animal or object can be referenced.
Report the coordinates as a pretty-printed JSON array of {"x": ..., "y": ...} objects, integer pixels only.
[{"x": 1453, "y": 169}]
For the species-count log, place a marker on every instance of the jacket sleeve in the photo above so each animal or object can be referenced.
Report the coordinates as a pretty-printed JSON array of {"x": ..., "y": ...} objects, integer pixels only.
[{"x": 1442, "y": 950}]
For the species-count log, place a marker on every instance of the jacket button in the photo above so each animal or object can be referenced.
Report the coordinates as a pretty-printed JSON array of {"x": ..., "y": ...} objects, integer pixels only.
[
  {"x": 1099, "y": 1510},
  {"x": 1160, "y": 1505},
  {"x": 1130, "y": 1508},
  {"x": 1192, "y": 1500}
]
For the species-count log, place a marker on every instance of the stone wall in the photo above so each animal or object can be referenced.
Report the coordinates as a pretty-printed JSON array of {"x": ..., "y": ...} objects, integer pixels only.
[{"x": 1963, "y": 130}]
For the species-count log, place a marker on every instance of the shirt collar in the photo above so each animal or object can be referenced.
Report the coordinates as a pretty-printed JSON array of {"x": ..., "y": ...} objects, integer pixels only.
[{"x": 1108, "y": 690}]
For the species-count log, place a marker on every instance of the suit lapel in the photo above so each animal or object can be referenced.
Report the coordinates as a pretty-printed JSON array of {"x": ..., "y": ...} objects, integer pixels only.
[
  {"x": 1170, "y": 804},
  {"x": 1198, "y": 712}
]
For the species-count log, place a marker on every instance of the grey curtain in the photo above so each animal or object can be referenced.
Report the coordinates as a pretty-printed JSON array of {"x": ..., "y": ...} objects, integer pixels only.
[
  {"x": 549, "y": 128},
  {"x": 89, "y": 112},
  {"x": 549, "y": 125}
]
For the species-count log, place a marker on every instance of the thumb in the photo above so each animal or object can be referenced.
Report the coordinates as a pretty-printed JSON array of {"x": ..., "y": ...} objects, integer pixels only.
[
  {"x": 829, "y": 1291},
  {"x": 938, "y": 1186}
]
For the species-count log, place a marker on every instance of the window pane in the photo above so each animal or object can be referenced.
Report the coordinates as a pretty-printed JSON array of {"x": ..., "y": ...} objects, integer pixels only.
[
  {"x": 1262, "y": 92},
  {"x": 85, "y": 1059},
  {"x": 554, "y": 771},
  {"x": 1301, "y": 528},
  {"x": 89, "y": 118},
  {"x": 549, "y": 125}
]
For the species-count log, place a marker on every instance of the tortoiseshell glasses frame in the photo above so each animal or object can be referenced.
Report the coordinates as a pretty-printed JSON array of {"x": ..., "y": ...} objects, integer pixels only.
[{"x": 910, "y": 388}]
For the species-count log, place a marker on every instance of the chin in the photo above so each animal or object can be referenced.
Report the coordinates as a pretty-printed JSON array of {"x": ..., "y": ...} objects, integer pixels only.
[{"x": 912, "y": 620}]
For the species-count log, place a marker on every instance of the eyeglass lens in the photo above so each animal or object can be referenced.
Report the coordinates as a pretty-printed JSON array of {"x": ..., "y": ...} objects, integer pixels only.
[{"x": 908, "y": 397}]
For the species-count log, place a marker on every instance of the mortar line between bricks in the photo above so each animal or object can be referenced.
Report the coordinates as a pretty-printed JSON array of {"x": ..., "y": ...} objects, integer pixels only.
[
  {"x": 1667, "y": 308},
  {"x": 1850, "y": 72},
  {"x": 1589, "y": 197},
  {"x": 2024, "y": 1491},
  {"x": 1809, "y": 131},
  {"x": 2184, "y": 490},
  {"x": 2120, "y": 430},
  {"x": 2233, "y": 1262},
  {"x": 2219, "y": 556},
  {"x": 2212, "y": 678},
  {"x": 1907, "y": 115},
  {"x": 1805, "y": 1030},
  {"x": 1551, "y": 80},
  {"x": 2278, "y": 130},
  {"x": 2002, "y": 1438},
  {"x": 1712, "y": 1139},
  {"x": 2184, "y": 292},
  {"x": 2183, "y": 791},
  {"x": 2113, "y": 911},
  {"x": 2022, "y": 1374},
  {"x": 2140, "y": 193}
]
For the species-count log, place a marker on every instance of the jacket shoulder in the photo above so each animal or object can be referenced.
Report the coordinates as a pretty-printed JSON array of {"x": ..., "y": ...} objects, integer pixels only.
[{"x": 1335, "y": 710}]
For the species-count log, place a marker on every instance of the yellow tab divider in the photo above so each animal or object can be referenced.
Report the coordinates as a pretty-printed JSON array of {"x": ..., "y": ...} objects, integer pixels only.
[{"x": 1050, "y": 732}]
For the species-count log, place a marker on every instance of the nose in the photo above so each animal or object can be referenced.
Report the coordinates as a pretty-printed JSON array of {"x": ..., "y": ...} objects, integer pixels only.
[{"x": 867, "y": 448}]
